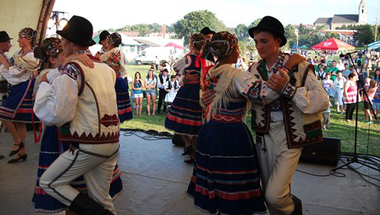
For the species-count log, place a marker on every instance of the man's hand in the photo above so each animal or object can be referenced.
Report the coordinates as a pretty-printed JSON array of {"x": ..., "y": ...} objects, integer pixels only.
[
  {"x": 83, "y": 58},
  {"x": 278, "y": 81},
  {"x": 208, "y": 97}
]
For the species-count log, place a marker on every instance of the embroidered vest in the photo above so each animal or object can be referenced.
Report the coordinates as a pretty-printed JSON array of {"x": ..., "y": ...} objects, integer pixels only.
[
  {"x": 301, "y": 129},
  {"x": 96, "y": 120}
]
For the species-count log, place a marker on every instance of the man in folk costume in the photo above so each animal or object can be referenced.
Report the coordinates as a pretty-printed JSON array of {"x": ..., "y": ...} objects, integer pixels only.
[
  {"x": 103, "y": 37},
  {"x": 290, "y": 122},
  {"x": 82, "y": 101},
  {"x": 5, "y": 45}
]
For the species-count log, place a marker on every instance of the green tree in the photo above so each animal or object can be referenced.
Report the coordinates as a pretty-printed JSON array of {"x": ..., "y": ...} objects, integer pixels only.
[
  {"x": 241, "y": 30},
  {"x": 194, "y": 22},
  {"x": 364, "y": 34},
  {"x": 143, "y": 29},
  {"x": 155, "y": 27},
  {"x": 290, "y": 34}
]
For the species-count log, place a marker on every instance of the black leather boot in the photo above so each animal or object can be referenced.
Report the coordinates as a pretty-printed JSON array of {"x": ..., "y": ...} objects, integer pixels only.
[
  {"x": 297, "y": 206},
  {"x": 83, "y": 205}
]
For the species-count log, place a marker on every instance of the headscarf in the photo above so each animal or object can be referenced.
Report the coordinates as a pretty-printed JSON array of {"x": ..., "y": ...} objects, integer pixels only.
[
  {"x": 222, "y": 44},
  {"x": 114, "y": 39},
  {"x": 197, "y": 40},
  {"x": 29, "y": 34},
  {"x": 50, "y": 47}
]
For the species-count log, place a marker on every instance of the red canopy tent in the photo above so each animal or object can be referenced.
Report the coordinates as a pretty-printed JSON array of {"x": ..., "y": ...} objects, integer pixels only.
[
  {"x": 174, "y": 46},
  {"x": 333, "y": 44}
]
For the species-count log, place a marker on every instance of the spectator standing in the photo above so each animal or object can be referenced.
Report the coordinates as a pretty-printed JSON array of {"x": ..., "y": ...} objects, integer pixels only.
[
  {"x": 137, "y": 86},
  {"x": 328, "y": 85},
  {"x": 151, "y": 91},
  {"x": 346, "y": 71},
  {"x": 332, "y": 70},
  {"x": 320, "y": 73},
  {"x": 156, "y": 62},
  {"x": 163, "y": 79},
  {"x": 326, "y": 117},
  {"x": 338, "y": 91},
  {"x": 172, "y": 89},
  {"x": 371, "y": 92},
  {"x": 350, "y": 94}
]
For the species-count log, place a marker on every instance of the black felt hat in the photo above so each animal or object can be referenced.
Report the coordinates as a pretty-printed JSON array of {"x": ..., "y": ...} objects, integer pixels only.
[
  {"x": 207, "y": 30},
  {"x": 270, "y": 24},
  {"x": 103, "y": 35},
  {"x": 4, "y": 36},
  {"x": 78, "y": 30}
]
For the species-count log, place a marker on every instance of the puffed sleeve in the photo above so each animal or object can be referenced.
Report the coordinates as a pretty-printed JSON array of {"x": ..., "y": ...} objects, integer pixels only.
[
  {"x": 56, "y": 103},
  {"x": 311, "y": 98}
]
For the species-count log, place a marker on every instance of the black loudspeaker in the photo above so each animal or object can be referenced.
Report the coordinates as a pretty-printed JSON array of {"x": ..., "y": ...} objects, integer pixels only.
[
  {"x": 326, "y": 152},
  {"x": 177, "y": 140}
]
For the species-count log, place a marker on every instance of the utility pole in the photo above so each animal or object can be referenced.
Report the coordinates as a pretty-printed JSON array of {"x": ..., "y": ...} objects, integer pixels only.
[{"x": 376, "y": 30}]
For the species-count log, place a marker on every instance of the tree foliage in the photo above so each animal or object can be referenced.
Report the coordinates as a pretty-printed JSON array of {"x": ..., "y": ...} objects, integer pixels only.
[
  {"x": 364, "y": 33},
  {"x": 194, "y": 22},
  {"x": 291, "y": 36},
  {"x": 246, "y": 44}
]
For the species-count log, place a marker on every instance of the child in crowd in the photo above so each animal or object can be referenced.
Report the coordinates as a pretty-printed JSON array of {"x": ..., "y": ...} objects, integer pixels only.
[
  {"x": 172, "y": 89},
  {"x": 376, "y": 99},
  {"x": 326, "y": 116},
  {"x": 371, "y": 91},
  {"x": 320, "y": 73},
  {"x": 327, "y": 84}
]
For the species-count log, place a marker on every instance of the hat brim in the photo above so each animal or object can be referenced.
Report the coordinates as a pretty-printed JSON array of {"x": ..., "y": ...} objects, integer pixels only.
[
  {"x": 5, "y": 39},
  {"x": 282, "y": 37},
  {"x": 206, "y": 32},
  {"x": 75, "y": 40}
]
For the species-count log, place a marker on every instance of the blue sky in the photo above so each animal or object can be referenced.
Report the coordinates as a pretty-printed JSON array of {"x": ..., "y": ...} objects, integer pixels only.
[{"x": 106, "y": 14}]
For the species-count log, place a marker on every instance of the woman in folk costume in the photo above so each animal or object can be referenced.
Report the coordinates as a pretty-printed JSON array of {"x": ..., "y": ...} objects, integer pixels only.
[
  {"x": 185, "y": 113},
  {"x": 53, "y": 61},
  {"x": 16, "y": 110},
  {"x": 116, "y": 60},
  {"x": 226, "y": 178}
]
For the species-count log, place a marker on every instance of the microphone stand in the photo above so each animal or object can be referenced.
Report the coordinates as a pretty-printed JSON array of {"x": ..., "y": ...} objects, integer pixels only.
[{"x": 355, "y": 156}]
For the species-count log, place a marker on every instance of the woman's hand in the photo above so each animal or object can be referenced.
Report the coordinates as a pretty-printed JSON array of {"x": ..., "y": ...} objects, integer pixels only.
[
  {"x": 83, "y": 58},
  {"x": 44, "y": 78},
  {"x": 4, "y": 61}
]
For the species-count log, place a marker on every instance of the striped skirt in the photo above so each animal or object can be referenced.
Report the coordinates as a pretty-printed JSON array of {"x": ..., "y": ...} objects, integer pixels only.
[
  {"x": 18, "y": 106},
  {"x": 123, "y": 102},
  {"x": 185, "y": 113},
  {"x": 51, "y": 148},
  {"x": 226, "y": 178}
]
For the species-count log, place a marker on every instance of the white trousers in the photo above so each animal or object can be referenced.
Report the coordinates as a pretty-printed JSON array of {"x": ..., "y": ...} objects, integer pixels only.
[
  {"x": 96, "y": 170},
  {"x": 277, "y": 165}
]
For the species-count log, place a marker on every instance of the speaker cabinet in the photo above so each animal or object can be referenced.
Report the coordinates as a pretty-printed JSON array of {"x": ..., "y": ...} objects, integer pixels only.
[{"x": 326, "y": 152}]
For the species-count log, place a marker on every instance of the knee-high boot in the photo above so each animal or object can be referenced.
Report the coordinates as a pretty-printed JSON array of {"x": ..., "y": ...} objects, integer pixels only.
[{"x": 86, "y": 206}]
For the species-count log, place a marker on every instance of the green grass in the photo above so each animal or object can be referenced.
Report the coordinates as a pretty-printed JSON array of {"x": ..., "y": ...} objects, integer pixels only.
[{"x": 368, "y": 136}]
